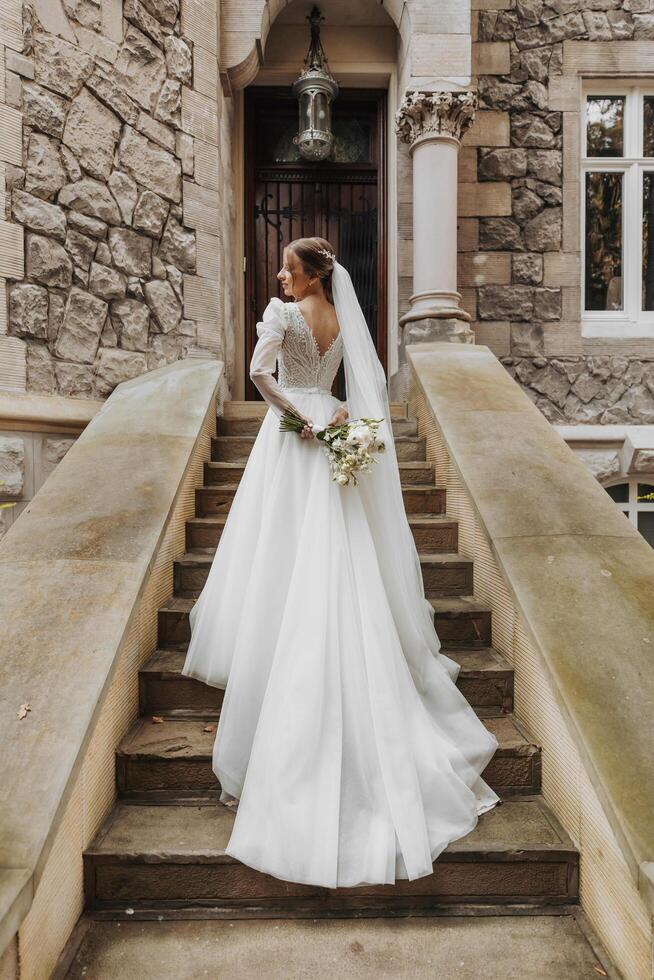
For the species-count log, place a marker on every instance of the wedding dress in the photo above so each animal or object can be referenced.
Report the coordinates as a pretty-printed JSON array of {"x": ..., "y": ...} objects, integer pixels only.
[{"x": 353, "y": 755}]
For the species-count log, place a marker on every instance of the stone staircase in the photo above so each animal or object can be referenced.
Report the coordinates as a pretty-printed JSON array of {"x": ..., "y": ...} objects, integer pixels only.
[{"x": 162, "y": 848}]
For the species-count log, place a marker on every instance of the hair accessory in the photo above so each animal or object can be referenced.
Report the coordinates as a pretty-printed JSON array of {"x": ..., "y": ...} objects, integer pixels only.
[{"x": 330, "y": 255}]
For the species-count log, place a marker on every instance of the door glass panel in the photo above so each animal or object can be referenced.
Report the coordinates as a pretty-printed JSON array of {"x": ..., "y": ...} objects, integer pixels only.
[
  {"x": 619, "y": 493},
  {"x": 646, "y": 490},
  {"x": 353, "y": 140},
  {"x": 604, "y": 126},
  {"x": 603, "y": 274},
  {"x": 646, "y": 525}
]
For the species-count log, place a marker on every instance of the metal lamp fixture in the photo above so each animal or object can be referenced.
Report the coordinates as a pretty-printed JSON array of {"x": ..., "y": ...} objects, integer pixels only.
[{"x": 315, "y": 90}]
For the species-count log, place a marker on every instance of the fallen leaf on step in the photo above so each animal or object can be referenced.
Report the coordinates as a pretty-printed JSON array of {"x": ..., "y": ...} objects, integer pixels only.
[
  {"x": 598, "y": 969},
  {"x": 157, "y": 720},
  {"x": 209, "y": 728},
  {"x": 24, "y": 708}
]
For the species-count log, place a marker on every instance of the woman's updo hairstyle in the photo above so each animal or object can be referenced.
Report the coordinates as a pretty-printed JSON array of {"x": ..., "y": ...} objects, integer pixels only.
[{"x": 314, "y": 261}]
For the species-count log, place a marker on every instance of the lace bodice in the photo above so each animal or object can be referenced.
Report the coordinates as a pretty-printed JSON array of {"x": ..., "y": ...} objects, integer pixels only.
[
  {"x": 286, "y": 339},
  {"x": 300, "y": 363}
]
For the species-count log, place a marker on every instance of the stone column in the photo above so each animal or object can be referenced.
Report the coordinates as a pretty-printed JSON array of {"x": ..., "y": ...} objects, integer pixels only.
[{"x": 433, "y": 123}]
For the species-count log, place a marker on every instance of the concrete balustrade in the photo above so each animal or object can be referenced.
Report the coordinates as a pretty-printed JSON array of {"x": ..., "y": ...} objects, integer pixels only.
[
  {"x": 571, "y": 587},
  {"x": 82, "y": 573}
]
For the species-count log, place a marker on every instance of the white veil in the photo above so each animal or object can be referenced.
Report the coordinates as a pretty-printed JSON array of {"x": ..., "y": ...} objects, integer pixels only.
[{"x": 381, "y": 490}]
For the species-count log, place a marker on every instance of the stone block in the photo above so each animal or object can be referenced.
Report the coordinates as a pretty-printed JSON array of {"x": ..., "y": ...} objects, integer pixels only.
[
  {"x": 125, "y": 193},
  {"x": 136, "y": 13},
  {"x": 12, "y": 466},
  {"x": 38, "y": 215},
  {"x": 131, "y": 252},
  {"x": 131, "y": 320},
  {"x": 28, "y": 311},
  {"x": 113, "y": 366},
  {"x": 500, "y": 164},
  {"x": 81, "y": 248},
  {"x": 500, "y": 234},
  {"x": 484, "y": 199},
  {"x": 59, "y": 65},
  {"x": 88, "y": 226},
  {"x": 73, "y": 380},
  {"x": 150, "y": 214},
  {"x": 92, "y": 199},
  {"x": 527, "y": 268},
  {"x": 140, "y": 68},
  {"x": 156, "y": 131},
  {"x": 91, "y": 133},
  {"x": 84, "y": 319},
  {"x": 526, "y": 339},
  {"x": 40, "y": 373},
  {"x": 107, "y": 283},
  {"x": 169, "y": 104},
  {"x": 43, "y": 109},
  {"x": 178, "y": 246},
  {"x": 47, "y": 262},
  {"x": 491, "y": 58},
  {"x": 45, "y": 174},
  {"x": 109, "y": 91},
  {"x": 505, "y": 302},
  {"x": 164, "y": 304},
  {"x": 150, "y": 165},
  {"x": 178, "y": 59},
  {"x": 543, "y": 233}
]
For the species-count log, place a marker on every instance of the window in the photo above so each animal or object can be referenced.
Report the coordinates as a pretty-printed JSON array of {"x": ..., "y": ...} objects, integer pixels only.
[
  {"x": 618, "y": 211},
  {"x": 628, "y": 495}
]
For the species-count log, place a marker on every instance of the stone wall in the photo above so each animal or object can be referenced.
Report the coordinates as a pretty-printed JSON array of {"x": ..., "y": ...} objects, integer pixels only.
[
  {"x": 119, "y": 192},
  {"x": 519, "y": 235}
]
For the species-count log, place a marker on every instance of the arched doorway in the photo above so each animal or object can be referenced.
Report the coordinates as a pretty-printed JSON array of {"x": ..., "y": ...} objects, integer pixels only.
[{"x": 342, "y": 199}]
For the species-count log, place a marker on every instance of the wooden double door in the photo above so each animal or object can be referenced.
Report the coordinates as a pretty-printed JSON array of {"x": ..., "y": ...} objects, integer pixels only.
[{"x": 341, "y": 199}]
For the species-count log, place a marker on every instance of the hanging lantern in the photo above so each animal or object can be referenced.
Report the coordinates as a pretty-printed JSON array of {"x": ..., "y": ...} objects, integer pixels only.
[{"x": 315, "y": 90}]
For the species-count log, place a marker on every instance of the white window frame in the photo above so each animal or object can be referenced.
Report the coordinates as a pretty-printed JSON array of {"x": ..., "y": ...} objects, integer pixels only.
[
  {"x": 632, "y": 321},
  {"x": 632, "y": 506}
]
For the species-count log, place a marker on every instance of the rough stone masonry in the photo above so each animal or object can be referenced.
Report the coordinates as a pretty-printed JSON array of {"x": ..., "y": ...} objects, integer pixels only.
[
  {"x": 99, "y": 197},
  {"x": 593, "y": 388}
]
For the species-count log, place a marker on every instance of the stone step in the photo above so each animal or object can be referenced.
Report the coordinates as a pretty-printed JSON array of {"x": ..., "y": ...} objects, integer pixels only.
[
  {"x": 442, "y": 573},
  {"x": 411, "y": 472},
  {"x": 215, "y": 500},
  {"x": 173, "y": 856},
  {"x": 460, "y": 621},
  {"x": 171, "y": 760},
  {"x": 250, "y": 426},
  {"x": 239, "y": 409},
  {"x": 237, "y": 448},
  {"x": 485, "y": 680},
  {"x": 455, "y": 944},
  {"x": 431, "y": 533}
]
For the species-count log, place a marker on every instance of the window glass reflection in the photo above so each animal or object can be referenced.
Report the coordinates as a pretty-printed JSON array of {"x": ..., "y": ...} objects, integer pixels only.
[
  {"x": 605, "y": 126},
  {"x": 603, "y": 274},
  {"x": 648, "y": 126}
]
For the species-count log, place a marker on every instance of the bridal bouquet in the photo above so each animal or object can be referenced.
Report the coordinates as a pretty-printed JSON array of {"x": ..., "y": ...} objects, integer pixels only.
[{"x": 349, "y": 446}]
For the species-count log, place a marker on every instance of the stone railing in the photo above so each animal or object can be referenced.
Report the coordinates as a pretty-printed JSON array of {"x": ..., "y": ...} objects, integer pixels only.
[
  {"x": 36, "y": 432},
  {"x": 570, "y": 583},
  {"x": 82, "y": 574}
]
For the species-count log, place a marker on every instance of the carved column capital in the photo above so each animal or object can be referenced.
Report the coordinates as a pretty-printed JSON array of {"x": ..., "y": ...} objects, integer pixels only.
[{"x": 445, "y": 114}]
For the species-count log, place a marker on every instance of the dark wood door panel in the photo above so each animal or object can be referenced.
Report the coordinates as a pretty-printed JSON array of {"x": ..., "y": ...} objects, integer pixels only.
[{"x": 341, "y": 200}]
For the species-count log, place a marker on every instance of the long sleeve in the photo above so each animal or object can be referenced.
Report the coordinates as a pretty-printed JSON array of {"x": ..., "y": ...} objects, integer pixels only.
[{"x": 270, "y": 331}]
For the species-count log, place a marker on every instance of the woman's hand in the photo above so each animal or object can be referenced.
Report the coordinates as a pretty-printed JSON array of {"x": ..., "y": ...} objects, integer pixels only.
[
  {"x": 339, "y": 417},
  {"x": 307, "y": 432}
]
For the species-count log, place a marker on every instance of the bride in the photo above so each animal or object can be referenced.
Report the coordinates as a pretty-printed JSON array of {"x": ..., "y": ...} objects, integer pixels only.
[{"x": 352, "y": 754}]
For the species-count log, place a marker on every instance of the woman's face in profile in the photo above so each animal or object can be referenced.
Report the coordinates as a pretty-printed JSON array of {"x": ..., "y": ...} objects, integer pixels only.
[{"x": 292, "y": 276}]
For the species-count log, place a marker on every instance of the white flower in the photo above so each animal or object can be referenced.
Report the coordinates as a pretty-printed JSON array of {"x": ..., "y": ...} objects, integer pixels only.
[{"x": 342, "y": 479}]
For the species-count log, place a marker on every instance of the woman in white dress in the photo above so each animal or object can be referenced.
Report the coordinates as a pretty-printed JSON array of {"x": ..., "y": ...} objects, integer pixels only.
[{"x": 352, "y": 754}]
